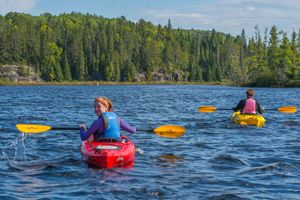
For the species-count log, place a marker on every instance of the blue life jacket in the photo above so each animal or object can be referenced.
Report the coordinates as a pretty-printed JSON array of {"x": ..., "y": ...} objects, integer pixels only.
[{"x": 111, "y": 125}]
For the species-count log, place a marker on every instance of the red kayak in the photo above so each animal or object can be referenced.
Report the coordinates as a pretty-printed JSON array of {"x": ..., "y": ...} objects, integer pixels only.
[{"x": 108, "y": 153}]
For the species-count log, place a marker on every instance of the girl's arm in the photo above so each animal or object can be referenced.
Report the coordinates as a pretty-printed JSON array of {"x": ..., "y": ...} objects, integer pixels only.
[
  {"x": 97, "y": 126},
  {"x": 126, "y": 127}
]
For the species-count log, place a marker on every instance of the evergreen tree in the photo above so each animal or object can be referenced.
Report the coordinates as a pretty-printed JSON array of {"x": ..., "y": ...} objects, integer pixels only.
[
  {"x": 295, "y": 73},
  {"x": 66, "y": 67},
  {"x": 273, "y": 51},
  {"x": 88, "y": 47},
  {"x": 285, "y": 61},
  {"x": 243, "y": 46}
]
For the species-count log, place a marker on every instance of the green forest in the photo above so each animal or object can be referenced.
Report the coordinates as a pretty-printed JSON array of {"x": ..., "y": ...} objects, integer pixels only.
[{"x": 84, "y": 47}]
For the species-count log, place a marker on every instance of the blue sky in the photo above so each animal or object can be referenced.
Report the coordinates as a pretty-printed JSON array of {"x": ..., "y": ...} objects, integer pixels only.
[{"x": 228, "y": 16}]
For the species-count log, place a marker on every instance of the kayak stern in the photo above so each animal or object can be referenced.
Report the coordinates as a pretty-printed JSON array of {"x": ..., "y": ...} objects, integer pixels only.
[{"x": 248, "y": 119}]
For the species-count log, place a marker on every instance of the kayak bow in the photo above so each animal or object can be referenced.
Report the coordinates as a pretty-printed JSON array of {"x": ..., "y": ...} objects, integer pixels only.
[{"x": 108, "y": 154}]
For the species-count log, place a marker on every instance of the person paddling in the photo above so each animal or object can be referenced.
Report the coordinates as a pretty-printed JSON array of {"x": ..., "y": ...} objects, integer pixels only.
[
  {"x": 249, "y": 105},
  {"x": 108, "y": 125}
]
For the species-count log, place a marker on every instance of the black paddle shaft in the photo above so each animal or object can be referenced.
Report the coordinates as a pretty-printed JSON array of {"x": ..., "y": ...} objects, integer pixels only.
[{"x": 64, "y": 128}]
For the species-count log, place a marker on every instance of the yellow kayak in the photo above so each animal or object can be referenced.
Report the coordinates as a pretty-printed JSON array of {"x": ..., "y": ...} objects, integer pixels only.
[{"x": 248, "y": 119}]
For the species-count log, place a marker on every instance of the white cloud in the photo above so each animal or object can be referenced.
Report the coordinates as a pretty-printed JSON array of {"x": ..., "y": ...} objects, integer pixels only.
[
  {"x": 16, "y": 5},
  {"x": 189, "y": 18},
  {"x": 231, "y": 16},
  {"x": 250, "y": 8}
]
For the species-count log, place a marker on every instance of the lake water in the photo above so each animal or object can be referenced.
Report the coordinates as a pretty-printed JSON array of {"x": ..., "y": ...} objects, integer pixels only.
[{"x": 215, "y": 159}]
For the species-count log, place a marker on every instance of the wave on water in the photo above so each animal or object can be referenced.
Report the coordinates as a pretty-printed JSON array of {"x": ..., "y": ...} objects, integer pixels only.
[
  {"x": 227, "y": 159},
  {"x": 226, "y": 196},
  {"x": 215, "y": 159},
  {"x": 16, "y": 154},
  {"x": 42, "y": 164},
  {"x": 139, "y": 151},
  {"x": 32, "y": 118},
  {"x": 291, "y": 123},
  {"x": 276, "y": 167}
]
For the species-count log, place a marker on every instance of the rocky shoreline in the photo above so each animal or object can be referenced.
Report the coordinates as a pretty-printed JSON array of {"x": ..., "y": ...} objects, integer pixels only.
[
  {"x": 27, "y": 75},
  {"x": 19, "y": 73}
]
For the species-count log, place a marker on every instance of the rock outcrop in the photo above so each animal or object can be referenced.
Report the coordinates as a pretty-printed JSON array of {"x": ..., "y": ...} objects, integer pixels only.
[{"x": 18, "y": 73}]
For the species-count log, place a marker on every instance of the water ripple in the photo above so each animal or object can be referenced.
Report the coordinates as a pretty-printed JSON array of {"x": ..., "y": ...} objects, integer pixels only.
[{"x": 215, "y": 159}]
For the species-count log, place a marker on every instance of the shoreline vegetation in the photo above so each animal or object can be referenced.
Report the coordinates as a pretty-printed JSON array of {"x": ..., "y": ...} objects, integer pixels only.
[
  {"x": 82, "y": 49},
  {"x": 99, "y": 83},
  {"x": 291, "y": 84}
]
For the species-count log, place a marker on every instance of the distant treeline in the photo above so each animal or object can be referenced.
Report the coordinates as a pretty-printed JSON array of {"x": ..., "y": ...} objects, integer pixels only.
[{"x": 75, "y": 46}]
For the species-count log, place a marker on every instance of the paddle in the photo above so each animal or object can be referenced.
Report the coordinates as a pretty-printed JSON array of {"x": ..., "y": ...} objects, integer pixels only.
[
  {"x": 167, "y": 131},
  {"x": 284, "y": 109}
]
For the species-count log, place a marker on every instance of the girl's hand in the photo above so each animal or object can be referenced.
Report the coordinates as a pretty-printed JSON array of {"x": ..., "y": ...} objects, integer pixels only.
[{"x": 83, "y": 126}]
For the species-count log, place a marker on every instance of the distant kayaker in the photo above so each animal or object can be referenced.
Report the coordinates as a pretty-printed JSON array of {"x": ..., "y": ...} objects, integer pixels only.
[
  {"x": 249, "y": 105},
  {"x": 108, "y": 125}
]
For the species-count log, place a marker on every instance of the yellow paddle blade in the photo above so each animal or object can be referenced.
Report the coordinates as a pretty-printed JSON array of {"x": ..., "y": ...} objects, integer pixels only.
[
  {"x": 207, "y": 109},
  {"x": 32, "y": 128},
  {"x": 288, "y": 109},
  {"x": 169, "y": 131}
]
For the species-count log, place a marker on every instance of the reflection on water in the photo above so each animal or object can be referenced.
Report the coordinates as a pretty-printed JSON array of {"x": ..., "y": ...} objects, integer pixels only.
[{"x": 170, "y": 158}]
